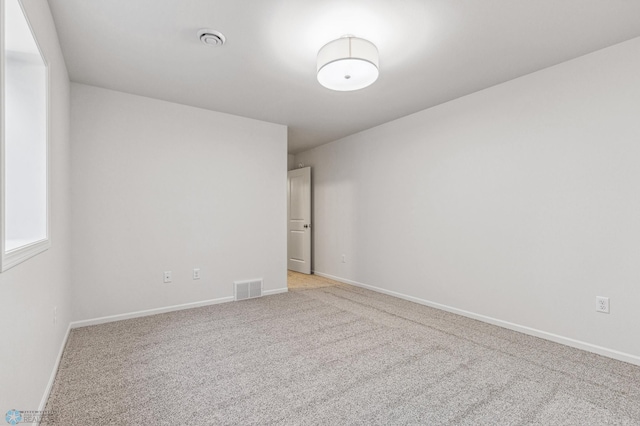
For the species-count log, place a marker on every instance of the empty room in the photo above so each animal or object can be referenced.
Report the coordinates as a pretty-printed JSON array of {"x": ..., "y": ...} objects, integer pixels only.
[{"x": 220, "y": 212}]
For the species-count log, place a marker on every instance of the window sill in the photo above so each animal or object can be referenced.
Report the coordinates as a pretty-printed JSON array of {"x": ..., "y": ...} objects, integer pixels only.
[{"x": 20, "y": 254}]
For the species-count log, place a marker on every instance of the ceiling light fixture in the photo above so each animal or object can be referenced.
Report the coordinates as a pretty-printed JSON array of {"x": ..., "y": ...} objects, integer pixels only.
[{"x": 348, "y": 63}]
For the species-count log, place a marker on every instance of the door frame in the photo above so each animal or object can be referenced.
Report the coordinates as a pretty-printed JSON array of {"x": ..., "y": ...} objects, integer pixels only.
[{"x": 305, "y": 223}]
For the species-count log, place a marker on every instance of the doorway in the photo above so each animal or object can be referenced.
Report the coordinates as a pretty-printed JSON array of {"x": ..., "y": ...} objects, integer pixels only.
[{"x": 299, "y": 220}]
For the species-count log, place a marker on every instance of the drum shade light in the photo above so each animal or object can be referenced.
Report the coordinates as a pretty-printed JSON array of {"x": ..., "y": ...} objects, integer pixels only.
[{"x": 348, "y": 63}]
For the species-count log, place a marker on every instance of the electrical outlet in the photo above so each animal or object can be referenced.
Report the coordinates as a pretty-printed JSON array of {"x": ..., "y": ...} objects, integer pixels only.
[
  {"x": 55, "y": 314},
  {"x": 167, "y": 276},
  {"x": 196, "y": 273},
  {"x": 602, "y": 304},
  {"x": 344, "y": 258}
]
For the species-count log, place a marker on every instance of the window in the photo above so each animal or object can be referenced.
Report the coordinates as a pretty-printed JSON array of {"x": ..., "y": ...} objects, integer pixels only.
[{"x": 24, "y": 107}]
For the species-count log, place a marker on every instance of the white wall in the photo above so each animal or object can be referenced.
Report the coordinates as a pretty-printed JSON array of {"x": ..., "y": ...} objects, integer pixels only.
[
  {"x": 160, "y": 187},
  {"x": 30, "y": 290},
  {"x": 519, "y": 202}
]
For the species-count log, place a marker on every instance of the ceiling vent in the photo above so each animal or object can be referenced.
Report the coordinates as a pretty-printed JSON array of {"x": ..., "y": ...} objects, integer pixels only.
[{"x": 211, "y": 37}]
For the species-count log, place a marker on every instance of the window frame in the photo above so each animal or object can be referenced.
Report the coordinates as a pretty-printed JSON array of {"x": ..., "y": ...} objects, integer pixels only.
[{"x": 9, "y": 259}]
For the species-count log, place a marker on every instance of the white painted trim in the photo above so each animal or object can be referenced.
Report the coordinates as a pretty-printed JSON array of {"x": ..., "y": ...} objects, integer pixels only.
[
  {"x": 275, "y": 291},
  {"x": 23, "y": 253},
  {"x": 2, "y": 150},
  {"x": 54, "y": 372},
  {"x": 155, "y": 311},
  {"x": 147, "y": 312},
  {"x": 18, "y": 255},
  {"x": 611, "y": 353}
]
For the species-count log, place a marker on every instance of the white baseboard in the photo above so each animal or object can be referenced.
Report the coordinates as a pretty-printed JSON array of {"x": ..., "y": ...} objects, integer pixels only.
[
  {"x": 52, "y": 378},
  {"x": 611, "y": 353},
  {"x": 137, "y": 314},
  {"x": 275, "y": 291}
]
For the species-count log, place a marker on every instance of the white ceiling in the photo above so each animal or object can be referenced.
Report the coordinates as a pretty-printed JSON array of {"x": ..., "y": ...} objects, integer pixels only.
[{"x": 431, "y": 51}]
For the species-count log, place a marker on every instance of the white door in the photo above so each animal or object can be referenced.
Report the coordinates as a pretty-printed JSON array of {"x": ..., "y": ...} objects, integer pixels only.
[{"x": 299, "y": 220}]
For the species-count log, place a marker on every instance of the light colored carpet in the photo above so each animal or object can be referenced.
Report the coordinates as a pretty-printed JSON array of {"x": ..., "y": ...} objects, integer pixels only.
[{"x": 329, "y": 353}]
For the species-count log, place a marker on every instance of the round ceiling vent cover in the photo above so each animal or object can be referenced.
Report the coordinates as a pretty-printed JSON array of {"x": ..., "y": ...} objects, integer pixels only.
[{"x": 211, "y": 37}]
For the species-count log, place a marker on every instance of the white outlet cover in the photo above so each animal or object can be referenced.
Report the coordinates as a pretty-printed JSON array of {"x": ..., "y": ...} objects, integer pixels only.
[
  {"x": 602, "y": 304},
  {"x": 167, "y": 276},
  {"x": 196, "y": 273}
]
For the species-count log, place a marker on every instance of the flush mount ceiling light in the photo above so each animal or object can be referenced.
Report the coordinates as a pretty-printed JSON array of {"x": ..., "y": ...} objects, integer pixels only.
[
  {"x": 348, "y": 63},
  {"x": 211, "y": 37}
]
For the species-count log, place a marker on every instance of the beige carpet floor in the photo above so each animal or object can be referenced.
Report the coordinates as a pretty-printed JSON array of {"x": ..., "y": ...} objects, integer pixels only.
[{"x": 331, "y": 354}]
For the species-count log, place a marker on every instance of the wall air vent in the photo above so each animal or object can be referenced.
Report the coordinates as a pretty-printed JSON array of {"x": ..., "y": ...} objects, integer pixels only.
[
  {"x": 247, "y": 289},
  {"x": 211, "y": 37}
]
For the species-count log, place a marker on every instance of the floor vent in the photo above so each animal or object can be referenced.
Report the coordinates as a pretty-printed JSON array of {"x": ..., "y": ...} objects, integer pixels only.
[{"x": 247, "y": 289}]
